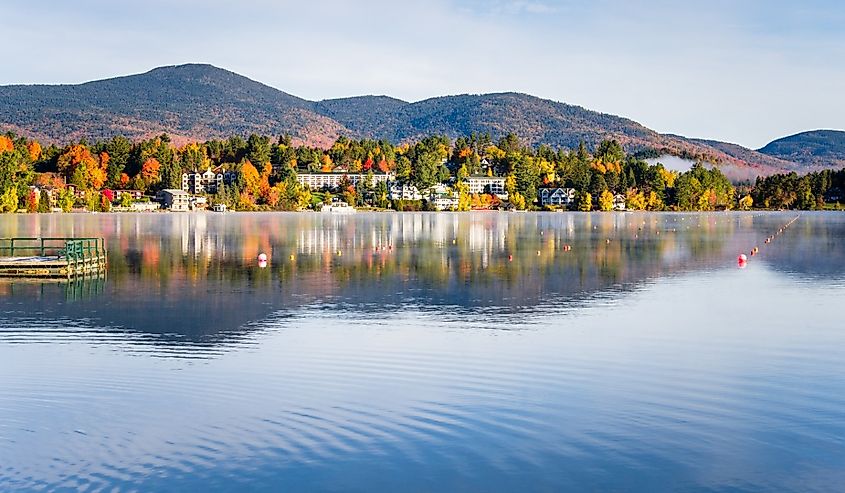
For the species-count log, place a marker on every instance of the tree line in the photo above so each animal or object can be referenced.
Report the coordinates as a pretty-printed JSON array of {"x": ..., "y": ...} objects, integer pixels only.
[{"x": 264, "y": 171}]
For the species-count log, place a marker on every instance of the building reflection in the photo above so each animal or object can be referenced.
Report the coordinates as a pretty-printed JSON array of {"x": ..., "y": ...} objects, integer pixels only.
[{"x": 197, "y": 274}]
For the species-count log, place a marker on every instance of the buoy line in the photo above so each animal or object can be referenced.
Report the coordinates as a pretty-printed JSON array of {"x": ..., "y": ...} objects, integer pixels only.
[{"x": 742, "y": 260}]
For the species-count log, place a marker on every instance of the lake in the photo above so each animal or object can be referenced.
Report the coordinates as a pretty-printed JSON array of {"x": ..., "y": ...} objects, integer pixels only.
[{"x": 479, "y": 352}]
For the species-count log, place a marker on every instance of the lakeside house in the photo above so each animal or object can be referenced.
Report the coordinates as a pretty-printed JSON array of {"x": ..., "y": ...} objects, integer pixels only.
[
  {"x": 619, "y": 202},
  {"x": 442, "y": 198},
  {"x": 174, "y": 200},
  {"x": 494, "y": 185},
  {"x": 134, "y": 194},
  {"x": 332, "y": 181},
  {"x": 403, "y": 191},
  {"x": 557, "y": 196}
]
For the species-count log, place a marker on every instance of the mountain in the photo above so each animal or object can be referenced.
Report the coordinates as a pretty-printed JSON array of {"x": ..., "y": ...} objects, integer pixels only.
[
  {"x": 817, "y": 148},
  {"x": 197, "y": 102},
  {"x": 187, "y": 101}
]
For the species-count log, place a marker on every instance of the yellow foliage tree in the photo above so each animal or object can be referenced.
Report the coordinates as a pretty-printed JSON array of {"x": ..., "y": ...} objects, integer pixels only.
[
  {"x": 606, "y": 201},
  {"x": 654, "y": 202},
  {"x": 668, "y": 177},
  {"x": 636, "y": 200},
  {"x": 464, "y": 199},
  {"x": 518, "y": 201},
  {"x": 585, "y": 202},
  {"x": 746, "y": 202}
]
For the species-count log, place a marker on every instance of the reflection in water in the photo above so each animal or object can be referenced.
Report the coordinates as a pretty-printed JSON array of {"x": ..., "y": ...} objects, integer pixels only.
[
  {"x": 197, "y": 274},
  {"x": 430, "y": 352}
]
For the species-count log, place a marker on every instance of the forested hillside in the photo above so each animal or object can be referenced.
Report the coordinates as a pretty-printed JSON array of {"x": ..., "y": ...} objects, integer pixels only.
[
  {"x": 200, "y": 102},
  {"x": 818, "y": 148}
]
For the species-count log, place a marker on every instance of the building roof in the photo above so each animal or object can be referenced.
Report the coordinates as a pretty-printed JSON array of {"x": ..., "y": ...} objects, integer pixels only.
[{"x": 173, "y": 191}]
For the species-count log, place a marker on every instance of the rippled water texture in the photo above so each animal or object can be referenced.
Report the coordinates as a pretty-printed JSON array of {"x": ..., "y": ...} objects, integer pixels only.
[{"x": 430, "y": 352}]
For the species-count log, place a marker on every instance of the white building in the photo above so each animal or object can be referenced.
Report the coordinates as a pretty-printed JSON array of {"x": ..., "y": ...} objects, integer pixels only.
[
  {"x": 619, "y": 202},
  {"x": 320, "y": 181},
  {"x": 208, "y": 182},
  {"x": 487, "y": 184},
  {"x": 561, "y": 197},
  {"x": 174, "y": 200},
  {"x": 144, "y": 206},
  {"x": 401, "y": 191},
  {"x": 444, "y": 201}
]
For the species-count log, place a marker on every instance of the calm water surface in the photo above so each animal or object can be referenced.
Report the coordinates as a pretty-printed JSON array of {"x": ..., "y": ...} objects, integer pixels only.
[{"x": 430, "y": 352}]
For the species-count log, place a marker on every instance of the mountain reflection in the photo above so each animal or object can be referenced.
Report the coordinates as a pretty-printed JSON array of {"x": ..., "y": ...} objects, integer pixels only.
[{"x": 195, "y": 276}]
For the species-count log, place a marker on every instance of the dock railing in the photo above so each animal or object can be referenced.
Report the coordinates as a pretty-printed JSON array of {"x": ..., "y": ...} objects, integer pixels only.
[
  {"x": 81, "y": 255},
  {"x": 53, "y": 247}
]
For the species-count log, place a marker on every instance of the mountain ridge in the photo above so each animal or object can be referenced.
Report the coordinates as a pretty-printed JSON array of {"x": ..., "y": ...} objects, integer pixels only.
[
  {"x": 201, "y": 101},
  {"x": 813, "y": 147}
]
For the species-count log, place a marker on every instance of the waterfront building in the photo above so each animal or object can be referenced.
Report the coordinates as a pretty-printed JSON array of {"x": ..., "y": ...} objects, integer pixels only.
[
  {"x": 403, "y": 191},
  {"x": 174, "y": 200},
  {"x": 619, "y": 202},
  {"x": 560, "y": 197},
  {"x": 487, "y": 184},
  {"x": 332, "y": 181},
  {"x": 207, "y": 182}
]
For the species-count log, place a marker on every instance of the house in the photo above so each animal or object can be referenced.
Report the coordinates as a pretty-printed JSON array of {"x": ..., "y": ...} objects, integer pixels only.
[
  {"x": 198, "y": 203},
  {"x": 51, "y": 192},
  {"x": 220, "y": 207},
  {"x": 487, "y": 184},
  {"x": 619, "y": 202},
  {"x": 135, "y": 194},
  {"x": 144, "y": 206},
  {"x": 208, "y": 182},
  {"x": 560, "y": 197},
  {"x": 332, "y": 181},
  {"x": 402, "y": 191},
  {"x": 442, "y": 198},
  {"x": 174, "y": 200}
]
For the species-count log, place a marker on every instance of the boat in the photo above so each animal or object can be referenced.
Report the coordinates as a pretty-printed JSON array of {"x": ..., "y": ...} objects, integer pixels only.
[{"x": 338, "y": 206}]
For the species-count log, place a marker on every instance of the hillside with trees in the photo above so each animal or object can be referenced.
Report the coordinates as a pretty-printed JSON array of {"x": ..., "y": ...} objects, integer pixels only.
[
  {"x": 263, "y": 175},
  {"x": 817, "y": 148},
  {"x": 194, "y": 103}
]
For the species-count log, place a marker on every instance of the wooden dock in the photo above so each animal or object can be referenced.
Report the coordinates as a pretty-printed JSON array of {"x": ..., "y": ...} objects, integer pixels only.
[{"x": 52, "y": 258}]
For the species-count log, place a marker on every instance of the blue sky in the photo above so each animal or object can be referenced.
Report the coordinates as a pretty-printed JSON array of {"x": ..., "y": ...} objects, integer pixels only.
[{"x": 743, "y": 71}]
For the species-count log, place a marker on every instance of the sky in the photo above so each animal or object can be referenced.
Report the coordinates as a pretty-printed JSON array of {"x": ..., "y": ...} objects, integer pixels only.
[{"x": 741, "y": 71}]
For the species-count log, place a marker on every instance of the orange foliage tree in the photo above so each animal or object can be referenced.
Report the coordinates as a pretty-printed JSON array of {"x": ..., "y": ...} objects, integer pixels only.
[
  {"x": 76, "y": 163},
  {"x": 34, "y": 149},
  {"x": 150, "y": 170},
  {"x": 251, "y": 178},
  {"x": 6, "y": 144},
  {"x": 97, "y": 174}
]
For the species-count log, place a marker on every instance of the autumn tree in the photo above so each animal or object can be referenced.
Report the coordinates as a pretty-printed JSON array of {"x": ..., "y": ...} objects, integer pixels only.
[
  {"x": 34, "y": 150},
  {"x": 149, "y": 174},
  {"x": 251, "y": 178},
  {"x": 606, "y": 201},
  {"x": 77, "y": 163},
  {"x": 585, "y": 201},
  {"x": 44, "y": 202}
]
